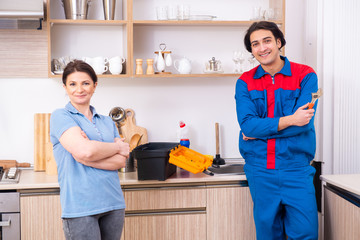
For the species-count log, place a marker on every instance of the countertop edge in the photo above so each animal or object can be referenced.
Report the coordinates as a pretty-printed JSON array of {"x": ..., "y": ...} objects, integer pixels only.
[
  {"x": 348, "y": 182},
  {"x": 30, "y": 179}
]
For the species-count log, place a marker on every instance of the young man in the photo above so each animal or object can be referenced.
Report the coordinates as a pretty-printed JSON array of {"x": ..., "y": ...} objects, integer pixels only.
[{"x": 277, "y": 137}]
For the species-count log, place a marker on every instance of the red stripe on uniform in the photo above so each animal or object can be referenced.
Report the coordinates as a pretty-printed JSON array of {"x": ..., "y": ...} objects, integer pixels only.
[
  {"x": 270, "y": 154},
  {"x": 271, "y": 142}
]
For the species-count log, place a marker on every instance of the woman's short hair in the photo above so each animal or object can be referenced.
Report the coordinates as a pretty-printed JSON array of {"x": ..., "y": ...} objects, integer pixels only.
[
  {"x": 271, "y": 26},
  {"x": 78, "y": 66}
]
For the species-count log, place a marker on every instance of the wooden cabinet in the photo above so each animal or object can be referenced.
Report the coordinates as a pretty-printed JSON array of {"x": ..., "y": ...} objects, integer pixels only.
[
  {"x": 162, "y": 213},
  {"x": 135, "y": 33},
  {"x": 229, "y": 213},
  {"x": 159, "y": 212},
  {"x": 41, "y": 215},
  {"x": 341, "y": 215}
]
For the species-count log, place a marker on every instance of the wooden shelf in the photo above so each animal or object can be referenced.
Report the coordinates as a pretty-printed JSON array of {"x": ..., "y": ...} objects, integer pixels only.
[
  {"x": 99, "y": 76},
  {"x": 131, "y": 34},
  {"x": 187, "y": 75},
  {"x": 88, "y": 22},
  {"x": 162, "y": 75},
  {"x": 194, "y": 23}
]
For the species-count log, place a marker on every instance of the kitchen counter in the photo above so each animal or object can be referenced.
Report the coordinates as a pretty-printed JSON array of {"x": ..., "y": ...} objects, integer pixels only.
[
  {"x": 341, "y": 206},
  {"x": 348, "y": 182},
  {"x": 40, "y": 180}
]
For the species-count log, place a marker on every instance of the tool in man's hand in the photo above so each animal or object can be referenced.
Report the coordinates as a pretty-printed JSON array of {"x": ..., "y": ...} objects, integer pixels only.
[{"x": 315, "y": 96}]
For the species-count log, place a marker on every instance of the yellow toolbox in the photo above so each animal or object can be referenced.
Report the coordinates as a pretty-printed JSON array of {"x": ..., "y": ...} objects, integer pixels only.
[{"x": 189, "y": 159}]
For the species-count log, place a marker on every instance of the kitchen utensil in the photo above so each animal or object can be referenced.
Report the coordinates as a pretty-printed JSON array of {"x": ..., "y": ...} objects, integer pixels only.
[
  {"x": 168, "y": 60},
  {"x": 315, "y": 96},
  {"x": 161, "y": 61},
  {"x": 214, "y": 65},
  {"x": 150, "y": 66},
  {"x": 172, "y": 12},
  {"x": 217, "y": 160},
  {"x": 139, "y": 63},
  {"x": 41, "y": 137},
  {"x": 118, "y": 115},
  {"x": 160, "y": 65},
  {"x": 183, "y": 66},
  {"x": 76, "y": 9},
  {"x": 184, "y": 12},
  {"x": 202, "y": 17},
  {"x": 109, "y": 9},
  {"x": 12, "y": 163},
  {"x": 134, "y": 141},
  {"x": 162, "y": 13},
  {"x": 116, "y": 64},
  {"x": 129, "y": 128}
]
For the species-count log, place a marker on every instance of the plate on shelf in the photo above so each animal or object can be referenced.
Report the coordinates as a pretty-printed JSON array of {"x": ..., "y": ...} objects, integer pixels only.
[
  {"x": 208, "y": 71},
  {"x": 59, "y": 72},
  {"x": 202, "y": 17}
]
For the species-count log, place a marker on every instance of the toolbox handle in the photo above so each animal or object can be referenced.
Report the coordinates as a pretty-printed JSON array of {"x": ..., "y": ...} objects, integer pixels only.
[{"x": 207, "y": 172}]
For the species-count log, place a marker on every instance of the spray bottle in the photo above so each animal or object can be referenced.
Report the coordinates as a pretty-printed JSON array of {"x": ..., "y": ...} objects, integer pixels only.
[{"x": 183, "y": 134}]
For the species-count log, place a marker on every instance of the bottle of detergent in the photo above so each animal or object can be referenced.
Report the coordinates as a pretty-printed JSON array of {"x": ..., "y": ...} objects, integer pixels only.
[{"x": 183, "y": 135}]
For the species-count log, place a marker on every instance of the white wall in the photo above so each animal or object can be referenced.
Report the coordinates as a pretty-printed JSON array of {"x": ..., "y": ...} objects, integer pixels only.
[{"x": 159, "y": 104}]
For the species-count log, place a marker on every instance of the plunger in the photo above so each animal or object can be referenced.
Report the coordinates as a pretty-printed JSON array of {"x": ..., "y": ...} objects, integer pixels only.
[{"x": 217, "y": 160}]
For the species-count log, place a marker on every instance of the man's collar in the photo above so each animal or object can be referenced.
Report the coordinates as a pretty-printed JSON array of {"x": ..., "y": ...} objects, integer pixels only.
[{"x": 286, "y": 70}]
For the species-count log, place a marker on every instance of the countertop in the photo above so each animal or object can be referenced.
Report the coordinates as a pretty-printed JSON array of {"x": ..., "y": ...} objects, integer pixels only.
[
  {"x": 40, "y": 180},
  {"x": 348, "y": 182}
]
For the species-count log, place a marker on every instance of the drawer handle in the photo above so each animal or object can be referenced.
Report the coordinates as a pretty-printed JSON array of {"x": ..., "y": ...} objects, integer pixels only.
[{"x": 5, "y": 223}]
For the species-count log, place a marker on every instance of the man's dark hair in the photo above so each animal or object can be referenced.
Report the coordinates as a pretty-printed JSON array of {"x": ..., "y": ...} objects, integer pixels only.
[
  {"x": 78, "y": 66},
  {"x": 266, "y": 26}
]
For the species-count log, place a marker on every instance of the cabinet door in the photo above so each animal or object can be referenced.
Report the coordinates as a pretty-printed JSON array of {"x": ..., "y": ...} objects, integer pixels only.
[
  {"x": 163, "y": 213},
  {"x": 341, "y": 217},
  {"x": 164, "y": 227},
  {"x": 41, "y": 217},
  {"x": 230, "y": 213}
]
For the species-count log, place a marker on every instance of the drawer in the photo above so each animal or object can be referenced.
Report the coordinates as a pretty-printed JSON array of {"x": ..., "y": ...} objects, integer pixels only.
[{"x": 165, "y": 198}]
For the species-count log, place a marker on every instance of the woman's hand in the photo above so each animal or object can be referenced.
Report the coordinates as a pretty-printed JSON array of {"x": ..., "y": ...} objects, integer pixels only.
[{"x": 124, "y": 148}]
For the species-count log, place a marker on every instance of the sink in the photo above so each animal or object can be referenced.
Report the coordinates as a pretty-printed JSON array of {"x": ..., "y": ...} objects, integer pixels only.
[{"x": 229, "y": 169}]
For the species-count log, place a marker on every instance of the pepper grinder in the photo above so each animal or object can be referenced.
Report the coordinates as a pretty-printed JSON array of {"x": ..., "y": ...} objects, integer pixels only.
[
  {"x": 139, "y": 69},
  {"x": 150, "y": 67}
]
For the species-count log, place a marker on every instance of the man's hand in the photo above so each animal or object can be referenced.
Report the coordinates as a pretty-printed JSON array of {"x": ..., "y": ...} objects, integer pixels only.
[
  {"x": 245, "y": 138},
  {"x": 302, "y": 116}
]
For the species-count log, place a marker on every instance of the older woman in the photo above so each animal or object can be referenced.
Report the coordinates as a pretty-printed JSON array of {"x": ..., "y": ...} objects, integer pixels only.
[{"x": 88, "y": 152}]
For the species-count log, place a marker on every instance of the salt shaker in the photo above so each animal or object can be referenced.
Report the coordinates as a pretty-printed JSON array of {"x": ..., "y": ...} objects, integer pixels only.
[
  {"x": 139, "y": 69},
  {"x": 150, "y": 66}
]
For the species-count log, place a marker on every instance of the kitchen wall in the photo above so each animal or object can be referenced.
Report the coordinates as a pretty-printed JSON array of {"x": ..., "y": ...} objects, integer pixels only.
[{"x": 159, "y": 104}]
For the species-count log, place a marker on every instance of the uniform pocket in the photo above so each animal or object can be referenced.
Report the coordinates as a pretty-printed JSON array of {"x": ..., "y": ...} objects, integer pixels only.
[
  {"x": 289, "y": 100},
  {"x": 259, "y": 99}
]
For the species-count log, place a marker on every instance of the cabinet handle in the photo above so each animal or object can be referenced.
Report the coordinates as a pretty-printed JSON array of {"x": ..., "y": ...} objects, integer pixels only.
[
  {"x": 22, "y": 194},
  {"x": 165, "y": 188},
  {"x": 159, "y": 213},
  {"x": 5, "y": 223}
]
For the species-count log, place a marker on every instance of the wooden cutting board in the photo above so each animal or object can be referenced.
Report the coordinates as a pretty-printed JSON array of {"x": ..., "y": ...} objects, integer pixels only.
[
  {"x": 129, "y": 128},
  {"x": 41, "y": 137},
  {"x": 12, "y": 163}
]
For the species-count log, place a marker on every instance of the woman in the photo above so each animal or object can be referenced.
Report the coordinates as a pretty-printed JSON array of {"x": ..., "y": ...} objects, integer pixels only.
[{"x": 88, "y": 152}]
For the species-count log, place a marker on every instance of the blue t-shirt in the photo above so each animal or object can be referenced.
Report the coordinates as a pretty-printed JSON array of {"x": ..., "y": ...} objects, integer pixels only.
[{"x": 84, "y": 190}]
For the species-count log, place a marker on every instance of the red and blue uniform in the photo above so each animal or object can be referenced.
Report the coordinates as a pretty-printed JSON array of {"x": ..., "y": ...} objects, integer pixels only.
[{"x": 278, "y": 162}]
